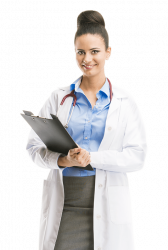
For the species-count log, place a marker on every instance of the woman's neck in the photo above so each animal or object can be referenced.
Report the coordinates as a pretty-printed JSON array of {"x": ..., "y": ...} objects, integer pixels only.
[{"x": 92, "y": 83}]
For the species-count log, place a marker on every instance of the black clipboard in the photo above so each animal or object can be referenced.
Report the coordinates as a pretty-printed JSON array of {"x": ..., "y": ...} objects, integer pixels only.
[{"x": 53, "y": 134}]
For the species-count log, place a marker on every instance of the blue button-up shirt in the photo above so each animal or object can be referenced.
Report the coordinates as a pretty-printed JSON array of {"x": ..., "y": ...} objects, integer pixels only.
[{"x": 87, "y": 125}]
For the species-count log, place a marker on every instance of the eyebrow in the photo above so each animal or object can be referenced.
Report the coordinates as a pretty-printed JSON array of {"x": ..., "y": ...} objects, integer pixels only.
[{"x": 90, "y": 49}]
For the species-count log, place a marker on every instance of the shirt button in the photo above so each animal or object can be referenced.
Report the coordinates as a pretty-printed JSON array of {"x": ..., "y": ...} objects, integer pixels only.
[
  {"x": 88, "y": 121},
  {"x": 109, "y": 128},
  {"x": 99, "y": 248},
  {"x": 98, "y": 216},
  {"x": 85, "y": 137},
  {"x": 100, "y": 185}
]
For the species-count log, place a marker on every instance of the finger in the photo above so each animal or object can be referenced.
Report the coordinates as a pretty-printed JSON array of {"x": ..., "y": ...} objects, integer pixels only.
[
  {"x": 77, "y": 150},
  {"x": 74, "y": 151},
  {"x": 84, "y": 154},
  {"x": 86, "y": 162},
  {"x": 81, "y": 157}
]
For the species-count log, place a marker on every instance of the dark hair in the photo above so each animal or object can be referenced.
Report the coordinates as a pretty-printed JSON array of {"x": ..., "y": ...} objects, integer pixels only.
[{"x": 92, "y": 22}]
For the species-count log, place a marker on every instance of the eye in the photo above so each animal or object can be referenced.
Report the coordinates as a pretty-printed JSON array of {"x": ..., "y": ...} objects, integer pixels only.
[
  {"x": 96, "y": 51},
  {"x": 81, "y": 52}
]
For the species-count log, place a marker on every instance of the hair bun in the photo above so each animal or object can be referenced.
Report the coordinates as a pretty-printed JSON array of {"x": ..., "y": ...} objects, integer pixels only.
[
  {"x": 91, "y": 22},
  {"x": 90, "y": 17}
]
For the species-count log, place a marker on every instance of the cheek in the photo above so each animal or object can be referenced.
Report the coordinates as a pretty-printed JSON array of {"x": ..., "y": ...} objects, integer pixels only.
[
  {"x": 79, "y": 60},
  {"x": 100, "y": 60},
  {"x": 101, "y": 63}
]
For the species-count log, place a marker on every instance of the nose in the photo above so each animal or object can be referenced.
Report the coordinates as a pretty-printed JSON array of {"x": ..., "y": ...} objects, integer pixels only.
[{"x": 87, "y": 58}]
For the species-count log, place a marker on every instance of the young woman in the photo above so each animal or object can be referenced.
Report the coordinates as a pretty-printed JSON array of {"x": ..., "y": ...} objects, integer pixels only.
[{"x": 82, "y": 209}]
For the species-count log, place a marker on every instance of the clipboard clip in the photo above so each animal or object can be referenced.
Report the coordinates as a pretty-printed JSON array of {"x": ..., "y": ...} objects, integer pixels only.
[
  {"x": 29, "y": 113},
  {"x": 43, "y": 118}
]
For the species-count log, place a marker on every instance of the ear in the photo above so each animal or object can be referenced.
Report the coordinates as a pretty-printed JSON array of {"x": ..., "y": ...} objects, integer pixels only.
[{"x": 108, "y": 53}]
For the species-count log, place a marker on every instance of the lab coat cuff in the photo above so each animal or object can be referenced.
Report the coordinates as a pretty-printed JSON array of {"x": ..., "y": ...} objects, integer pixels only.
[
  {"x": 51, "y": 159},
  {"x": 96, "y": 158},
  {"x": 101, "y": 159},
  {"x": 60, "y": 167}
]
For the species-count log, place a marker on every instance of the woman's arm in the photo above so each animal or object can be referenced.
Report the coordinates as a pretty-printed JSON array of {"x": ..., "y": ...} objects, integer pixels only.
[{"x": 62, "y": 161}]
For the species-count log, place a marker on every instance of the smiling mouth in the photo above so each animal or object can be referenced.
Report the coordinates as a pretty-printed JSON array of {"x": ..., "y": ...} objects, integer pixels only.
[{"x": 89, "y": 66}]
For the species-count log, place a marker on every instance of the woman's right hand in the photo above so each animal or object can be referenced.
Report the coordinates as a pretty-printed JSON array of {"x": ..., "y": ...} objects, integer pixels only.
[{"x": 78, "y": 157}]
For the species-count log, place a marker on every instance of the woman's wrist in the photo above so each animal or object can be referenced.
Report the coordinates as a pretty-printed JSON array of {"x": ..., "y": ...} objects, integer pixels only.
[
  {"x": 62, "y": 161},
  {"x": 67, "y": 162}
]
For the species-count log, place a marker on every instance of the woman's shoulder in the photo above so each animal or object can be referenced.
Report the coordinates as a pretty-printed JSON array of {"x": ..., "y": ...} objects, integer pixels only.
[
  {"x": 125, "y": 95},
  {"x": 120, "y": 92},
  {"x": 60, "y": 90}
]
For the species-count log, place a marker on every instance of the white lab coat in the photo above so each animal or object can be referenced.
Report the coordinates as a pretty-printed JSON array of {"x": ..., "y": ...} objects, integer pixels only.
[{"x": 123, "y": 149}]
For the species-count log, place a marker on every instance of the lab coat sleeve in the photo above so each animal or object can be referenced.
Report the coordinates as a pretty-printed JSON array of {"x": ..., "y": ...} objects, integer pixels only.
[
  {"x": 134, "y": 147},
  {"x": 35, "y": 147}
]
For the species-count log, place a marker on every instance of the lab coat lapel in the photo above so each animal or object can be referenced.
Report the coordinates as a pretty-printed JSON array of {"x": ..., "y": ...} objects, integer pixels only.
[
  {"x": 64, "y": 109},
  {"x": 112, "y": 118},
  {"x": 115, "y": 103},
  {"x": 118, "y": 94},
  {"x": 111, "y": 124}
]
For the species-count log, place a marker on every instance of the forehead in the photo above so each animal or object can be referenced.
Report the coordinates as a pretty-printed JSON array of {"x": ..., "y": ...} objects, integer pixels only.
[{"x": 88, "y": 41}]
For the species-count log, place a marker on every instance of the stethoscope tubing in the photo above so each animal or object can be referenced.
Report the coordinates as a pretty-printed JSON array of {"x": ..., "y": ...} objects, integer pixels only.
[{"x": 75, "y": 99}]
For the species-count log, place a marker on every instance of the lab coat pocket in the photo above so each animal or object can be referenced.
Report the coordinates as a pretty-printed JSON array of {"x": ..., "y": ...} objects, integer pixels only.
[
  {"x": 46, "y": 196},
  {"x": 120, "y": 204}
]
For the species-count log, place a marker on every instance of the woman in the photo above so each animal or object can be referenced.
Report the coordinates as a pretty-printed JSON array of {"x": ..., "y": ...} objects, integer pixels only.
[{"x": 80, "y": 211}]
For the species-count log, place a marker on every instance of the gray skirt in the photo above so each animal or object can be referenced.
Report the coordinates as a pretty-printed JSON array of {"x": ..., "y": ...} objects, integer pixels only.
[{"x": 76, "y": 226}]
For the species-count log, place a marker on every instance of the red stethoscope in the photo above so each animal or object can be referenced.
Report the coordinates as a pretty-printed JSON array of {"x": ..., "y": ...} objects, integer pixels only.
[{"x": 75, "y": 99}]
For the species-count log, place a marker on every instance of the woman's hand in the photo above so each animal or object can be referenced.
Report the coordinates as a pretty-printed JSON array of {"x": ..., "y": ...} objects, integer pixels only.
[{"x": 78, "y": 157}]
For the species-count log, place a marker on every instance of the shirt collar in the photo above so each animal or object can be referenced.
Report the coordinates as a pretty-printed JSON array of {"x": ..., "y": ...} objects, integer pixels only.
[
  {"x": 75, "y": 85},
  {"x": 117, "y": 91}
]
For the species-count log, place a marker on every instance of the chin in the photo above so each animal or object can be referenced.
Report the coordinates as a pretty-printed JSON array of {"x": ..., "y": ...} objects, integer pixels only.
[{"x": 89, "y": 73}]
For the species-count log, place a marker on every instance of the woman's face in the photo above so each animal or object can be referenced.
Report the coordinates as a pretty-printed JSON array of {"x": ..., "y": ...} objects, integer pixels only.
[{"x": 90, "y": 50}]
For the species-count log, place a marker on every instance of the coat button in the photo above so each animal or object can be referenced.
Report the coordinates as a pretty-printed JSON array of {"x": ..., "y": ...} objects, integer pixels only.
[
  {"x": 100, "y": 185},
  {"x": 109, "y": 128}
]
